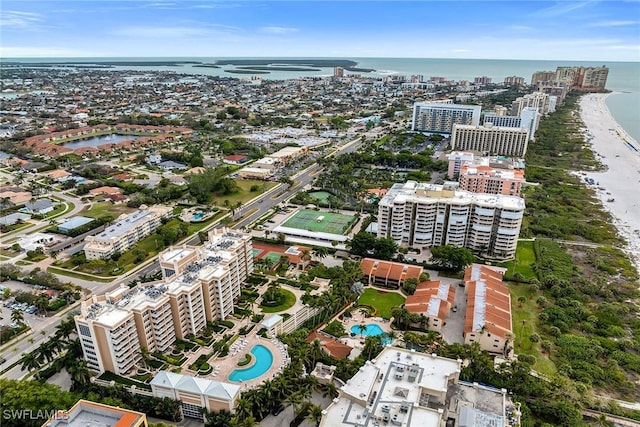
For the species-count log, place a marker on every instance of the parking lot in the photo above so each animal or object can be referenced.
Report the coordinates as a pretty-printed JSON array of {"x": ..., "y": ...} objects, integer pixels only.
[{"x": 28, "y": 312}]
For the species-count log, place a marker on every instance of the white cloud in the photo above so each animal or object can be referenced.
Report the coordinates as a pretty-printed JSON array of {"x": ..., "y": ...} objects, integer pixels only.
[
  {"x": 613, "y": 23},
  {"x": 274, "y": 29},
  {"x": 561, "y": 8},
  {"x": 460, "y": 50},
  {"x": 18, "y": 19},
  {"x": 626, "y": 47}
]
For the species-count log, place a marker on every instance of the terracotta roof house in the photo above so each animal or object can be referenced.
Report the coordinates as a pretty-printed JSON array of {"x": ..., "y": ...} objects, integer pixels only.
[
  {"x": 488, "y": 315},
  {"x": 389, "y": 273},
  {"x": 434, "y": 300},
  {"x": 105, "y": 190},
  {"x": 333, "y": 347}
]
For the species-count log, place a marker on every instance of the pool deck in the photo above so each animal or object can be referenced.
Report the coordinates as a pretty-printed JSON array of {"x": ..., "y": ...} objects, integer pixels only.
[
  {"x": 223, "y": 367},
  {"x": 357, "y": 320}
]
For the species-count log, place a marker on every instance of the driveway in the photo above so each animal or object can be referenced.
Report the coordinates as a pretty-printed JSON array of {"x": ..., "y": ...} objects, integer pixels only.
[{"x": 454, "y": 326}]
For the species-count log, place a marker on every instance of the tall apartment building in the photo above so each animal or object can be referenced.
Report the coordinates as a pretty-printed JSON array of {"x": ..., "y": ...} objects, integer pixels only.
[
  {"x": 484, "y": 80},
  {"x": 489, "y": 139},
  {"x": 542, "y": 77},
  {"x": 125, "y": 233},
  {"x": 514, "y": 81},
  {"x": 491, "y": 177},
  {"x": 199, "y": 284},
  {"x": 583, "y": 78},
  {"x": 423, "y": 215},
  {"x": 338, "y": 72},
  {"x": 436, "y": 117},
  {"x": 529, "y": 118},
  {"x": 537, "y": 100}
]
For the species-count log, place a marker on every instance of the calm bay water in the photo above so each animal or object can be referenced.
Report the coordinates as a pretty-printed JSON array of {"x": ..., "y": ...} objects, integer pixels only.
[{"x": 623, "y": 76}]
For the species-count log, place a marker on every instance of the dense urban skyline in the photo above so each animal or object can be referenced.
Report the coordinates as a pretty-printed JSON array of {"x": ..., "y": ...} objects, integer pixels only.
[{"x": 566, "y": 30}]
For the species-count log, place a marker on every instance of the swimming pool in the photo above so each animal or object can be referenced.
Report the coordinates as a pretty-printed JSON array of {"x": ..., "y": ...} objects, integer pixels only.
[
  {"x": 263, "y": 361},
  {"x": 371, "y": 330},
  {"x": 198, "y": 216}
]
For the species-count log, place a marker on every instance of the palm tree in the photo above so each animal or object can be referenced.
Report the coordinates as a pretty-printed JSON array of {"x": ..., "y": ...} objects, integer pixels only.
[
  {"x": 362, "y": 327},
  {"x": 65, "y": 328},
  {"x": 79, "y": 373},
  {"x": 29, "y": 362},
  {"x": 330, "y": 390},
  {"x": 316, "y": 352},
  {"x": 315, "y": 414},
  {"x": 534, "y": 338},
  {"x": 41, "y": 303},
  {"x": 294, "y": 400}
]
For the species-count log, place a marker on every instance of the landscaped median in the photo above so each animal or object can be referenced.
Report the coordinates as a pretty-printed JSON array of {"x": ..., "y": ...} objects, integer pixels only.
[{"x": 83, "y": 276}]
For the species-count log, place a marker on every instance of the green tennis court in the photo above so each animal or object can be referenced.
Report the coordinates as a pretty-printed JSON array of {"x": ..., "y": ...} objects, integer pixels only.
[{"x": 323, "y": 222}]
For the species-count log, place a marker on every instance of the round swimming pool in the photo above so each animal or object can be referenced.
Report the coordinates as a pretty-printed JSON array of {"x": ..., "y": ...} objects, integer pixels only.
[
  {"x": 371, "y": 330},
  {"x": 263, "y": 361}
]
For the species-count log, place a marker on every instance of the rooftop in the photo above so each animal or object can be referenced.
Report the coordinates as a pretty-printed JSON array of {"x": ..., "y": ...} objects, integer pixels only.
[
  {"x": 91, "y": 414},
  {"x": 400, "y": 387},
  {"x": 416, "y": 192}
]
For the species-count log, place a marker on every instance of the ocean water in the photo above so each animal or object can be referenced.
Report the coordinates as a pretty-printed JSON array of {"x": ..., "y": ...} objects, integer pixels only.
[{"x": 623, "y": 76}]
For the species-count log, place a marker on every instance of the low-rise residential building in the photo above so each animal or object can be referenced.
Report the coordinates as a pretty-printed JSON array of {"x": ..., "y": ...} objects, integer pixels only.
[
  {"x": 488, "y": 316},
  {"x": 38, "y": 207},
  {"x": 199, "y": 284},
  {"x": 31, "y": 242},
  {"x": 434, "y": 300},
  {"x": 410, "y": 389},
  {"x": 235, "y": 159},
  {"x": 125, "y": 233},
  {"x": 389, "y": 273},
  {"x": 196, "y": 394},
  {"x": 423, "y": 215}
]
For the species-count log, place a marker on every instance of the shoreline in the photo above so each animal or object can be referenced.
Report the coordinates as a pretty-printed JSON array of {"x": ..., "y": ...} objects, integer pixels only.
[{"x": 618, "y": 188}]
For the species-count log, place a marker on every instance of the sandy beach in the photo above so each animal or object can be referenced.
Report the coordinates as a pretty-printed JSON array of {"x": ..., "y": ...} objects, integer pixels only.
[{"x": 619, "y": 187}]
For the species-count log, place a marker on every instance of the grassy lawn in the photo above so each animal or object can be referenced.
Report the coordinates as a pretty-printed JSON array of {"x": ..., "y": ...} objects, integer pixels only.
[
  {"x": 106, "y": 208},
  {"x": 289, "y": 301},
  {"x": 22, "y": 262},
  {"x": 382, "y": 301},
  {"x": 525, "y": 257},
  {"x": 528, "y": 314},
  {"x": 69, "y": 273},
  {"x": 244, "y": 195}
]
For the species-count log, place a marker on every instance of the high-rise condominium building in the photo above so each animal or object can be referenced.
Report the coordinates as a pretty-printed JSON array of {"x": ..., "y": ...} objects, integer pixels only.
[
  {"x": 125, "y": 233},
  {"x": 435, "y": 117},
  {"x": 199, "y": 284},
  {"x": 484, "y": 80},
  {"x": 542, "y": 77},
  {"x": 423, "y": 215},
  {"x": 537, "y": 100},
  {"x": 514, "y": 81},
  {"x": 489, "y": 139},
  {"x": 583, "y": 78},
  {"x": 529, "y": 118},
  {"x": 338, "y": 72}
]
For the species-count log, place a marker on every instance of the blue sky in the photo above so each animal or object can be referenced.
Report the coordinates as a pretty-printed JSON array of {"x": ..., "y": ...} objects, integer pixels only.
[{"x": 515, "y": 29}]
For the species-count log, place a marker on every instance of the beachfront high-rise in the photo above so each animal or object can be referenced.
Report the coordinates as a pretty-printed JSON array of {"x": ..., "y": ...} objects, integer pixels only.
[
  {"x": 529, "y": 118},
  {"x": 199, "y": 284},
  {"x": 491, "y": 140},
  {"x": 435, "y": 117},
  {"x": 423, "y": 215},
  {"x": 583, "y": 78}
]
